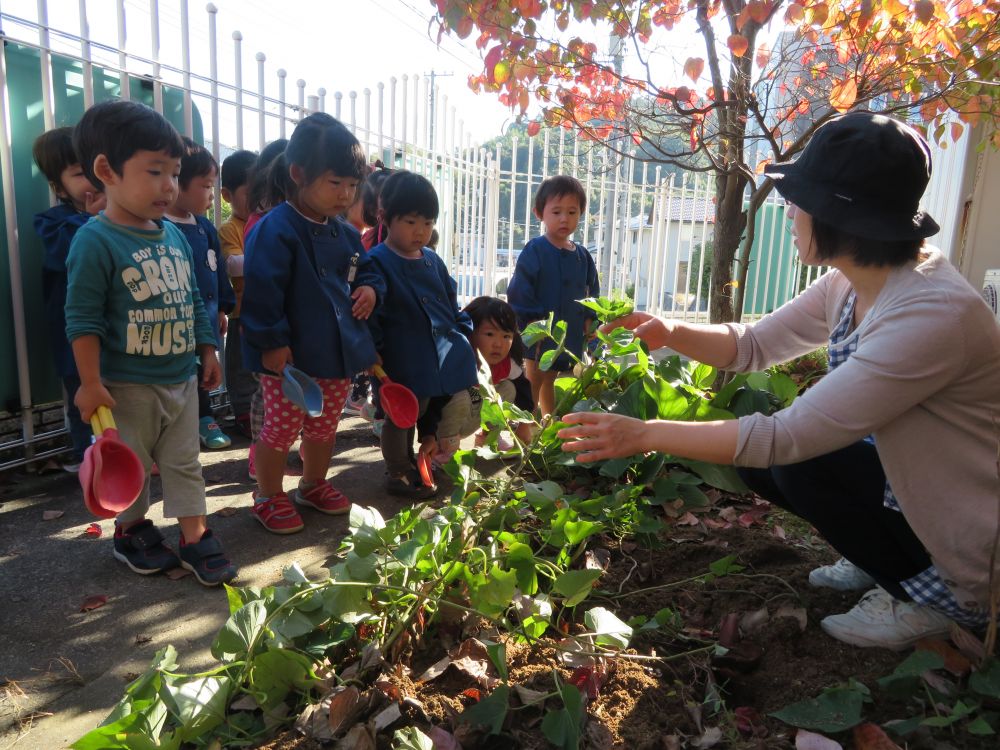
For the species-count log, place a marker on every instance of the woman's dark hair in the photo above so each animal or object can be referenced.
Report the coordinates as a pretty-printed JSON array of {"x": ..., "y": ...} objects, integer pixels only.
[
  {"x": 118, "y": 130},
  {"x": 408, "y": 193},
  {"x": 320, "y": 144},
  {"x": 832, "y": 242},
  {"x": 501, "y": 314},
  {"x": 260, "y": 193},
  {"x": 556, "y": 187},
  {"x": 197, "y": 161},
  {"x": 370, "y": 190}
]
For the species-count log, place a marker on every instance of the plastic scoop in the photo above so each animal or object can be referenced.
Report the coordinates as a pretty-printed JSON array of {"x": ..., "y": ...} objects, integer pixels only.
[
  {"x": 302, "y": 391},
  {"x": 424, "y": 465},
  {"x": 115, "y": 475},
  {"x": 397, "y": 400}
]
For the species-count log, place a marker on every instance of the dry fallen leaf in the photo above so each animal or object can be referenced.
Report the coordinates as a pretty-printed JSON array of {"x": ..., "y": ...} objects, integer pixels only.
[
  {"x": 344, "y": 708},
  {"x": 245, "y": 702},
  {"x": 954, "y": 662},
  {"x": 753, "y": 620},
  {"x": 688, "y": 519},
  {"x": 967, "y": 643},
  {"x": 870, "y": 736},
  {"x": 94, "y": 530},
  {"x": 312, "y": 722},
  {"x": 177, "y": 573},
  {"x": 94, "y": 601},
  {"x": 442, "y": 739},
  {"x": 52, "y": 515},
  {"x": 711, "y": 738},
  {"x": 359, "y": 738},
  {"x": 387, "y": 717},
  {"x": 779, "y": 532},
  {"x": 805, "y": 740},
  {"x": 529, "y": 696}
]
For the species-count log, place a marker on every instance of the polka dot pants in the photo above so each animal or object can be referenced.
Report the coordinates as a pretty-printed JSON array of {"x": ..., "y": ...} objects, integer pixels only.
[{"x": 283, "y": 420}]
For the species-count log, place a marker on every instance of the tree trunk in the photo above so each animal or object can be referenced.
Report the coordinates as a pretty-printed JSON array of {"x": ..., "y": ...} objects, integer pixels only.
[{"x": 729, "y": 223}]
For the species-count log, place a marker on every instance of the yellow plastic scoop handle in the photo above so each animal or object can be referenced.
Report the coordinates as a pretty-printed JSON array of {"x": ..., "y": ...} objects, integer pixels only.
[
  {"x": 379, "y": 372},
  {"x": 102, "y": 420}
]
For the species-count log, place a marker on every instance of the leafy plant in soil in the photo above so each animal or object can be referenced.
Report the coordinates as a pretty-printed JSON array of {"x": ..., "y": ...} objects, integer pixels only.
[{"x": 505, "y": 561}]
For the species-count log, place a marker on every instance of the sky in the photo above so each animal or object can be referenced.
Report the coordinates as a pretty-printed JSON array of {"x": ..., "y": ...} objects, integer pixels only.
[{"x": 341, "y": 45}]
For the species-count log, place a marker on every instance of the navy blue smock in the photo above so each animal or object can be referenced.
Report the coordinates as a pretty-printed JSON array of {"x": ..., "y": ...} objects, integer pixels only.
[
  {"x": 209, "y": 269},
  {"x": 56, "y": 227},
  {"x": 420, "y": 331},
  {"x": 296, "y": 293},
  {"x": 547, "y": 279}
]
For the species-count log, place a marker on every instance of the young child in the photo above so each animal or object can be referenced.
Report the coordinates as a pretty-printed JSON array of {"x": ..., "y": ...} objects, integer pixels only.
[
  {"x": 419, "y": 332},
  {"x": 308, "y": 289},
  {"x": 370, "y": 192},
  {"x": 135, "y": 319},
  {"x": 56, "y": 226},
  {"x": 240, "y": 383},
  {"x": 551, "y": 274},
  {"x": 496, "y": 340},
  {"x": 196, "y": 189}
]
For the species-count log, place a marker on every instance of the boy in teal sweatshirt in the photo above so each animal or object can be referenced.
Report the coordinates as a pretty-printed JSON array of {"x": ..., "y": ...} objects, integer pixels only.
[{"x": 136, "y": 320}]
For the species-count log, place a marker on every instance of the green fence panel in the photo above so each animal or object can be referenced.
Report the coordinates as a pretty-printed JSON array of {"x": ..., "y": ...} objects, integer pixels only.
[{"x": 24, "y": 81}]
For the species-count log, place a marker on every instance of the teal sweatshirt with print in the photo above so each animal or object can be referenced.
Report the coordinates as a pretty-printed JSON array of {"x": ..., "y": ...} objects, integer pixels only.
[{"x": 135, "y": 290}]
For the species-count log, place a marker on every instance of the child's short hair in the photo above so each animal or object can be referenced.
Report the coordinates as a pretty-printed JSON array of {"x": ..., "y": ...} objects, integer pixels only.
[
  {"x": 408, "y": 193},
  {"x": 370, "y": 190},
  {"x": 321, "y": 143},
  {"x": 119, "y": 129},
  {"x": 197, "y": 161},
  {"x": 53, "y": 152},
  {"x": 236, "y": 169},
  {"x": 558, "y": 186},
  {"x": 262, "y": 195},
  {"x": 498, "y": 312}
]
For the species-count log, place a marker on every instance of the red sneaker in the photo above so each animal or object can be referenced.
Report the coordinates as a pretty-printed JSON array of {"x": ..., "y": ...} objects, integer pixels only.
[
  {"x": 324, "y": 497},
  {"x": 277, "y": 514}
]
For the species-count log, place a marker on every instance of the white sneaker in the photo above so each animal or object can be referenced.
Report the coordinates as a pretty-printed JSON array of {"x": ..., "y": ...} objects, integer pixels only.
[
  {"x": 879, "y": 620},
  {"x": 843, "y": 575}
]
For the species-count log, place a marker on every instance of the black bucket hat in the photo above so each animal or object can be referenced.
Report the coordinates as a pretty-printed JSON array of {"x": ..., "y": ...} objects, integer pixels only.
[{"x": 864, "y": 173}]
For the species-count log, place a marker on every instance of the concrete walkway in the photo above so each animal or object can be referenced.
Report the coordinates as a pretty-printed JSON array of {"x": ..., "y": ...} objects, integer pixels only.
[{"x": 62, "y": 670}]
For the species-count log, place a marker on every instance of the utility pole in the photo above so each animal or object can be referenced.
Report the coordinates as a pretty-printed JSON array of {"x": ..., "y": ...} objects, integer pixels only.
[
  {"x": 616, "y": 49},
  {"x": 433, "y": 75}
]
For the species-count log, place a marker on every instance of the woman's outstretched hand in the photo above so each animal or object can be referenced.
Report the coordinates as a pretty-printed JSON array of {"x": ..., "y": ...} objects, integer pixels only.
[
  {"x": 651, "y": 329},
  {"x": 597, "y": 436}
]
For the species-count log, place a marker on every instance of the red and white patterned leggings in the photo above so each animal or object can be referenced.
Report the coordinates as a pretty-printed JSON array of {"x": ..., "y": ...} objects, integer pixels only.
[{"x": 283, "y": 420}]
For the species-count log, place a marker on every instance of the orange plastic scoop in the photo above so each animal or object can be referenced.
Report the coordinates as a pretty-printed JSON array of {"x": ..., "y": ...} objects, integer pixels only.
[
  {"x": 114, "y": 474},
  {"x": 426, "y": 474},
  {"x": 400, "y": 404}
]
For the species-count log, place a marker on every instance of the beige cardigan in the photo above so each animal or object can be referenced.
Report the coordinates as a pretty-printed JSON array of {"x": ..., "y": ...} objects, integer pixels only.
[{"x": 925, "y": 380}]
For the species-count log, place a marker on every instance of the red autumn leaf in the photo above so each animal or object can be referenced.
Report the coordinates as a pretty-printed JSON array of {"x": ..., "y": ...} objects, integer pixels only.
[
  {"x": 870, "y": 736},
  {"x": 562, "y": 21},
  {"x": 794, "y": 14},
  {"x": 472, "y": 693},
  {"x": 491, "y": 60},
  {"x": 693, "y": 67},
  {"x": 749, "y": 721},
  {"x": 534, "y": 128},
  {"x": 729, "y": 630},
  {"x": 954, "y": 661},
  {"x": 844, "y": 94},
  {"x": 818, "y": 14},
  {"x": 738, "y": 44},
  {"x": 94, "y": 530},
  {"x": 759, "y": 10},
  {"x": 683, "y": 94},
  {"x": 763, "y": 55},
  {"x": 94, "y": 601},
  {"x": 588, "y": 680}
]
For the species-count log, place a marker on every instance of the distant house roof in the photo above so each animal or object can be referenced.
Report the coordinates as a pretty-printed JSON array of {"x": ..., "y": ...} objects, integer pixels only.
[{"x": 680, "y": 209}]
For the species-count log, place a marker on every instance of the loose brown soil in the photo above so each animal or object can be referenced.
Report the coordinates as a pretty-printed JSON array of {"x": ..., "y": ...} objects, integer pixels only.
[{"x": 653, "y": 705}]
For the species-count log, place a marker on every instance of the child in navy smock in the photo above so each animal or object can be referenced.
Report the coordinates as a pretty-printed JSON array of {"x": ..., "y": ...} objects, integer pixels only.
[
  {"x": 419, "y": 331},
  {"x": 197, "y": 188},
  {"x": 551, "y": 274},
  {"x": 56, "y": 226},
  {"x": 308, "y": 288}
]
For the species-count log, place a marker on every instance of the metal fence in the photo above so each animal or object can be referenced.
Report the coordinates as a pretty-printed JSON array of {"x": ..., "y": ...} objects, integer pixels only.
[{"x": 649, "y": 230}]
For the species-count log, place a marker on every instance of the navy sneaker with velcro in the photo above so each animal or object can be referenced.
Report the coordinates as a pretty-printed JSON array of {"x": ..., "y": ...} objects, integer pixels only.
[
  {"x": 207, "y": 561},
  {"x": 141, "y": 547}
]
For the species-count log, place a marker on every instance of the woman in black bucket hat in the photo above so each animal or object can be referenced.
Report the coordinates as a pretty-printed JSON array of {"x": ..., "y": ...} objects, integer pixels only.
[{"x": 892, "y": 455}]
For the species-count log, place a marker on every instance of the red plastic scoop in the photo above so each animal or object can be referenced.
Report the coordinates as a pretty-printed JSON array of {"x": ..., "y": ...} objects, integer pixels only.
[
  {"x": 112, "y": 476},
  {"x": 400, "y": 404},
  {"x": 426, "y": 473}
]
